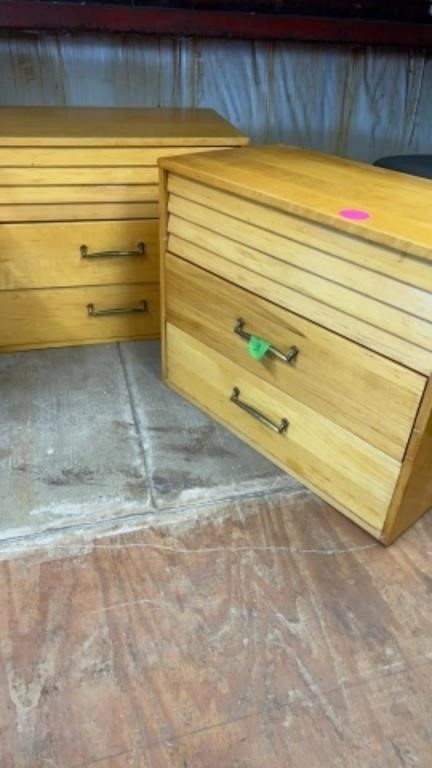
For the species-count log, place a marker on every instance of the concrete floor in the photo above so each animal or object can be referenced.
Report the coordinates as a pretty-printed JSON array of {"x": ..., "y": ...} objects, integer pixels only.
[{"x": 90, "y": 436}]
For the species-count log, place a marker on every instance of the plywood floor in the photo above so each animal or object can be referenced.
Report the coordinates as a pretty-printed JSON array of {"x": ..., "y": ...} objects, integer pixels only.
[{"x": 263, "y": 635}]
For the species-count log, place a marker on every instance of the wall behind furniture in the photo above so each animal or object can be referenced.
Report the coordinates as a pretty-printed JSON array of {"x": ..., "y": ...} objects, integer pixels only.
[{"x": 361, "y": 103}]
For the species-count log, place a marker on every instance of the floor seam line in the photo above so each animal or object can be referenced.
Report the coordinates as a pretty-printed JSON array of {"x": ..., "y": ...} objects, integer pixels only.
[
  {"x": 159, "y": 512},
  {"x": 137, "y": 426}
]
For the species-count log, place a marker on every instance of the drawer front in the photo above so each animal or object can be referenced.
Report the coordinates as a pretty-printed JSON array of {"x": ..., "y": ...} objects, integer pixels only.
[
  {"x": 366, "y": 394},
  {"x": 78, "y": 212},
  {"x": 344, "y": 468},
  {"x": 376, "y": 310},
  {"x": 58, "y": 316},
  {"x": 83, "y": 193},
  {"x": 49, "y": 255}
]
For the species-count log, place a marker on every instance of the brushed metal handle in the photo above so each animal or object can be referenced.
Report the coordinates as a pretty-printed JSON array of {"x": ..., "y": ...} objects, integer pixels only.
[
  {"x": 93, "y": 312},
  {"x": 286, "y": 357},
  {"x": 86, "y": 254},
  {"x": 279, "y": 428}
]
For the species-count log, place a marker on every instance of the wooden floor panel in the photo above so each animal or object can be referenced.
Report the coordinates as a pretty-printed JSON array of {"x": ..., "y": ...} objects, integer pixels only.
[
  {"x": 326, "y": 733},
  {"x": 271, "y": 634}
]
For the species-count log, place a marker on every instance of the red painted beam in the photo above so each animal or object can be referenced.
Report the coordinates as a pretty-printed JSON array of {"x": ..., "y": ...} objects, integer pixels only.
[{"x": 25, "y": 15}]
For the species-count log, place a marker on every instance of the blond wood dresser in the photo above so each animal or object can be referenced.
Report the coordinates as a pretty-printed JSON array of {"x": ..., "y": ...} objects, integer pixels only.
[
  {"x": 297, "y": 310},
  {"x": 78, "y": 219}
]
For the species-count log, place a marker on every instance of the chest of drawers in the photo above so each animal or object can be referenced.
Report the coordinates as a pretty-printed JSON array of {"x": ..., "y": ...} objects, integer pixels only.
[
  {"x": 79, "y": 219},
  {"x": 297, "y": 311}
]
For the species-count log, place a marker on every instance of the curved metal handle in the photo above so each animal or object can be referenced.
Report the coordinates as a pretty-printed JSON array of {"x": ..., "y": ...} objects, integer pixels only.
[
  {"x": 287, "y": 357},
  {"x": 280, "y": 428},
  {"x": 140, "y": 251},
  {"x": 93, "y": 312}
]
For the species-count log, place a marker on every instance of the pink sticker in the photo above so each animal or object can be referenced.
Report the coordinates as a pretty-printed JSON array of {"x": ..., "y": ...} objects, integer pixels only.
[{"x": 354, "y": 214}]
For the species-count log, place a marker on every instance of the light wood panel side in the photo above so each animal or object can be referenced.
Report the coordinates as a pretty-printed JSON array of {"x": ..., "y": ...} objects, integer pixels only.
[
  {"x": 331, "y": 375},
  {"x": 413, "y": 494},
  {"x": 163, "y": 244},
  {"x": 269, "y": 281},
  {"x": 78, "y": 212},
  {"x": 390, "y": 305},
  {"x": 54, "y": 156},
  {"x": 41, "y": 318},
  {"x": 354, "y": 250},
  {"x": 84, "y": 193},
  {"x": 313, "y": 449},
  {"x": 48, "y": 255}
]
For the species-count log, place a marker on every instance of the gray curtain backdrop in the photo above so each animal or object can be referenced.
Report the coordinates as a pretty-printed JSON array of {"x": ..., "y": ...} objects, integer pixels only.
[{"x": 361, "y": 103}]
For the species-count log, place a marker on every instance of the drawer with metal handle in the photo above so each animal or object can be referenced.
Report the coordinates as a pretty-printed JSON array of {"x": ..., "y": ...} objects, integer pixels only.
[
  {"x": 344, "y": 468},
  {"x": 139, "y": 308},
  {"x": 324, "y": 371},
  {"x": 78, "y": 253},
  {"x": 382, "y": 312},
  {"x": 88, "y": 314},
  {"x": 280, "y": 428},
  {"x": 86, "y": 254},
  {"x": 258, "y": 347}
]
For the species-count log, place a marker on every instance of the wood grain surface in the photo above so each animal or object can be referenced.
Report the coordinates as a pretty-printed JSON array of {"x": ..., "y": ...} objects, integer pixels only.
[
  {"x": 354, "y": 475},
  {"x": 77, "y": 212},
  {"x": 77, "y": 156},
  {"x": 262, "y": 218},
  {"x": 48, "y": 255},
  {"x": 413, "y": 493},
  {"x": 82, "y": 126},
  {"x": 317, "y": 187},
  {"x": 354, "y": 249},
  {"x": 59, "y": 316},
  {"x": 330, "y": 374},
  {"x": 78, "y": 193},
  {"x": 40, "y": 177},
  {"x": 264, "y": 281},
  {"x": 312, "y": 294},
  {"x": 297, "y": 257},
  {"x": 263, "y": 634}
]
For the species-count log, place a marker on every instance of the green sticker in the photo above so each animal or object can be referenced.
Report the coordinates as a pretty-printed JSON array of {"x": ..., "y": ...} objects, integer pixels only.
[{"x": 257, "y": 347}]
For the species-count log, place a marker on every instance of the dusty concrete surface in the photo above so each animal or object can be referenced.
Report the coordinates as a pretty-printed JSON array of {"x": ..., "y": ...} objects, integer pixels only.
[{"x": 90, "y": 435}]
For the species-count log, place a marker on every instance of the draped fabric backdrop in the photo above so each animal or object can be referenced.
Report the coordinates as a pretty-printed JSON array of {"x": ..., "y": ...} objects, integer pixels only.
[{"x": 362, "y": 103}]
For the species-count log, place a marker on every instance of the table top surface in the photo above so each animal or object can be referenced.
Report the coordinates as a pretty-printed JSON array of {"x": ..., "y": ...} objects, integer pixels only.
[
  {"x": 100, "y": 126},
  {"x": 386, "y": 207}
]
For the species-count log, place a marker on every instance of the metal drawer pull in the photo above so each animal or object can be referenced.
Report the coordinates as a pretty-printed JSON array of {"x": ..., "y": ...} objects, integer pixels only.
[
  {"x": 140, "y": 251},
  {"x": 288, "y": 357},
  {"x": 93, "y": 312},
  {"x": 280, "y": 428}
]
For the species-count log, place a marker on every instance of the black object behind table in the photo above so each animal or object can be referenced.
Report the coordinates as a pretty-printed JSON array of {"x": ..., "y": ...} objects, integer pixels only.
[{"x": 416, "y": 165}]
